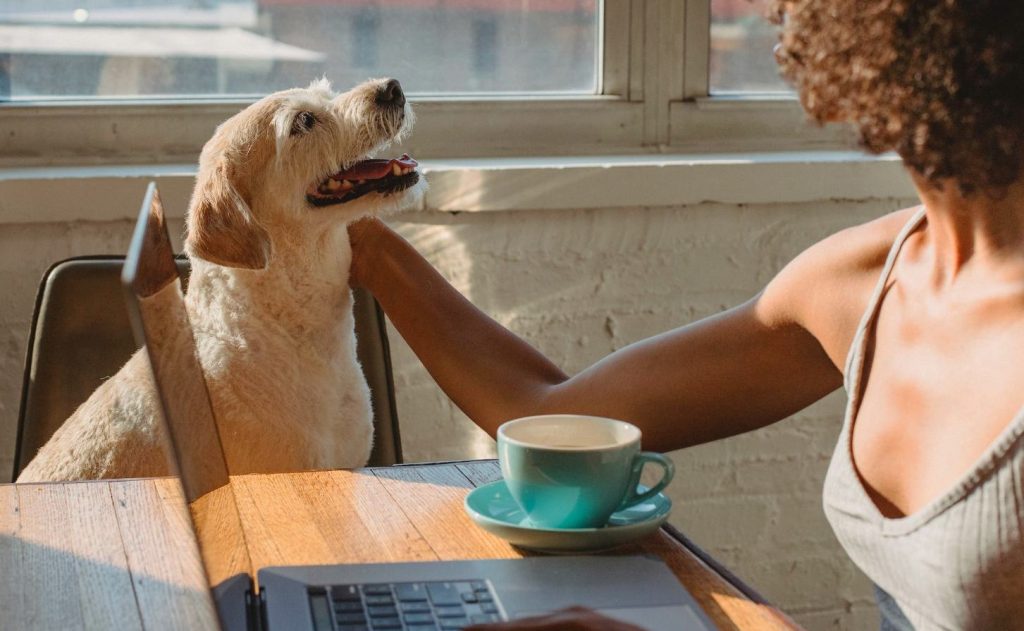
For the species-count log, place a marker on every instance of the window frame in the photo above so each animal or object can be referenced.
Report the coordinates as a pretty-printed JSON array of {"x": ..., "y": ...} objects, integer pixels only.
[{"x": 653, "y": 98}]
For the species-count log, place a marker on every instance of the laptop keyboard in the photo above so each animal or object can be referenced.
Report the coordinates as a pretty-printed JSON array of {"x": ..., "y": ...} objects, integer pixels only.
[{"x": 430, "y": 606}]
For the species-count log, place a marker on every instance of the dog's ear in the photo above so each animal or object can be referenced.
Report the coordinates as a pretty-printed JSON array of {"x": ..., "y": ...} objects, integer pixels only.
[{"x": 221, "y": 227}]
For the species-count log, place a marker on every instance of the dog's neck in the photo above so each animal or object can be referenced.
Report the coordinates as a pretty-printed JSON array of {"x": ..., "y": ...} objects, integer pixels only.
[{"x": 303, "y": 293}]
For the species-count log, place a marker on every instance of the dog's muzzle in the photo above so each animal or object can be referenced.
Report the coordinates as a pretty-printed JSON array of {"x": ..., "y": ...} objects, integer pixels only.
[{"x": 387, "y": 176}]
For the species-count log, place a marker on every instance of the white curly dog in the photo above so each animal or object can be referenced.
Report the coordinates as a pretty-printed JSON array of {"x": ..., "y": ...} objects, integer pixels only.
[{"x": 268, "y": 295}]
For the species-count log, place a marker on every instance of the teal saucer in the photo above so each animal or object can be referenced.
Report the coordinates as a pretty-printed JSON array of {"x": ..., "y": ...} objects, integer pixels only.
[{"x": 493, "y": 509}]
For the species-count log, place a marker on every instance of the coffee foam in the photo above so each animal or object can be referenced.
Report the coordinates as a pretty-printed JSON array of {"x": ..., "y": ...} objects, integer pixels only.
[{"x": 570, "y": 432}]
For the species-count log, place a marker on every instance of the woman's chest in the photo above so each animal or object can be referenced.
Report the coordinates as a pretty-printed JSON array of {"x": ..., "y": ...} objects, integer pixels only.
[
  {"x": 935, "y": 397},
  {"x": 956, "y": 565}
]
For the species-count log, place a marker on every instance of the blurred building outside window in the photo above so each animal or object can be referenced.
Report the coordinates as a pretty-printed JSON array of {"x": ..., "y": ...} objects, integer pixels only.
[
  {"x": 73, "y": 49},
  {"x": 195, "y": 48},
  {"x": 742, "y": 39},
  {"x": 490, "y": 78}
]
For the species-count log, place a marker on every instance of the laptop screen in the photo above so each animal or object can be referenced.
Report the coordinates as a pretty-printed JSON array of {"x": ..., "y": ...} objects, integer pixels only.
[{"x": 156, "y": 308}]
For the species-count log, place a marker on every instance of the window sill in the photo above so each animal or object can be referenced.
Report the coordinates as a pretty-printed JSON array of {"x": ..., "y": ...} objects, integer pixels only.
[{"x": 54, "y": 194}]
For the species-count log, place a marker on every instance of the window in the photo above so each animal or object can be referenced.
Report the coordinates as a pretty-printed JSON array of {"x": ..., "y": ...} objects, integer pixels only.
[
  {"x": 365, "y": 38},
  {"x": 485, "y": 53},
  {"x": 122, "y": 81},
  {"x": 741, "y": 59},
  {"x": 196, "y": 48}
]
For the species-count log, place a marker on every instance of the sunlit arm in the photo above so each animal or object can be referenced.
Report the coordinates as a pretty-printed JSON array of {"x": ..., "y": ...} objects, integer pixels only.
[{"x": 736, "y": 371}]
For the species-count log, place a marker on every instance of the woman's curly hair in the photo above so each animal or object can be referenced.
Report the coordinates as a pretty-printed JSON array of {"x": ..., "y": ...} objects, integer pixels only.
[{"x": 941, "y": 82}]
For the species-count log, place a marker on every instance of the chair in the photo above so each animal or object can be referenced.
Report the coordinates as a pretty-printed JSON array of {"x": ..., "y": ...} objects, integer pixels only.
[{"x": 81, "y": 335}]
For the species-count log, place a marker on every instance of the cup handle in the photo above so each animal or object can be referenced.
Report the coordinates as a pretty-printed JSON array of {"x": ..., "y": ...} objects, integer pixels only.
[{"x": 642, "y": 458}]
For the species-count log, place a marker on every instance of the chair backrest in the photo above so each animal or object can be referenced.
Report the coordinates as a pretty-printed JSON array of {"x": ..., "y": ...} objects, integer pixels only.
[{"x": 81, "y": 335}]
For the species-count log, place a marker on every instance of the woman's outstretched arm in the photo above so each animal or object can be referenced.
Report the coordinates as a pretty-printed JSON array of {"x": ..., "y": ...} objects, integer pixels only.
[{"x": 730, "y": 373}]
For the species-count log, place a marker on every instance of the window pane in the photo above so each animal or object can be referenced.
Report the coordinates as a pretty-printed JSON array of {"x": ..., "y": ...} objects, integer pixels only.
[
  {"x": 741, "y": 48},
  {"x": 112, "y": 48}
]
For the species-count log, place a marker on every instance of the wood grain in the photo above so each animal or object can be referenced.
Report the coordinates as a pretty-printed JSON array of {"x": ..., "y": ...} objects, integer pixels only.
[
  {"x": 13, "y": 575},
  {"x": 170, "y": 585},
  {"x": 219, "y": 535},
  {"x": 480, "y": 473},
  {"x": 279, "y": 525},
  {"x": 104, "y": 583},
  {"x": 432, "y": 497},
  {"x": 723, "y": 603},
  {"x": 356, "y": 509},
  {"x": 47, "y": 549},
  {"x": 129, "y": 545}
]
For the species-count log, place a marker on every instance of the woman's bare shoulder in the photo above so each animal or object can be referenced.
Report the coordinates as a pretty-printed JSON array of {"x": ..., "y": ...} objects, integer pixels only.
[{"x": 827, "y": 287}]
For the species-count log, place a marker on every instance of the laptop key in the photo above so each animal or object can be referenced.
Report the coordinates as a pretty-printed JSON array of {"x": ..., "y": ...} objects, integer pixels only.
[
  {"x": 419, "y": 618},
  {"x": 319, "y": 608},
  {"x": 353, "y": 627},
  {"x": 454, "y": 624},
  {"x": 348, "y": 606},
  {"x": 421, "y": 627},
  {"x": 415, "y": 607},
  {"x": 482, "y": 618},
  {"x": 444, "y": 594},
  {"x": 379, "y": 611},
  {"x": 345, "y": 592},
  {"x": 449, "y": 611},
  {"x": 377, "y": 589},
  {"x": 350, "y": 618},
  {"x": 469, "y": 597},
  {"x": 410, "y": 592},
  {"x": 488, "y": 608},
  {"x": 386, "y": 623},
  {"x": 379, "y": 600}
]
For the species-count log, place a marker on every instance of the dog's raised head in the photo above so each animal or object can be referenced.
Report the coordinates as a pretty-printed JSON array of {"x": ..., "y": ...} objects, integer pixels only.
[{"x": 299, "y": 161}]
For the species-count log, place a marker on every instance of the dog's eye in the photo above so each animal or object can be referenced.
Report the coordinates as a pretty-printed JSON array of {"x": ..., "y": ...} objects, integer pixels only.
[{"x": 303, "y": 122}]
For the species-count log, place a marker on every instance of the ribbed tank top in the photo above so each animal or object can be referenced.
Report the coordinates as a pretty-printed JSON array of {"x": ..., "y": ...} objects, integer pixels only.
[{"x": 958, "y": 562}]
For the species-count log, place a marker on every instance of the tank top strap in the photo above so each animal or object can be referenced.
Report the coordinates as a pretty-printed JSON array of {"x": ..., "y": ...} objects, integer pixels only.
[{"x": 855, "y": 356}]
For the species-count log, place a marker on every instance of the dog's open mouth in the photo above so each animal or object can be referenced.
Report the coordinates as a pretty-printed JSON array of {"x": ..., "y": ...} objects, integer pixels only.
[{"x": 385, "y": 176}]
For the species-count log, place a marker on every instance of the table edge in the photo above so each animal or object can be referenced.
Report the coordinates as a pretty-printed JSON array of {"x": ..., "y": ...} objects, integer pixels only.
[{"x": 674, "y": 533}]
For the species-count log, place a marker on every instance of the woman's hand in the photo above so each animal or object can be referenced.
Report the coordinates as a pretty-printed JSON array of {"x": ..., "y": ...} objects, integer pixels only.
[
  {"x": 573, "y": 619},
  {"x": 362, "y": 235}
]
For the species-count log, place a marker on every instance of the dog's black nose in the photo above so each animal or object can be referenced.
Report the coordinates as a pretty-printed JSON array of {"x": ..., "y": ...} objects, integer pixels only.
[{"x": 391, "y": 94}]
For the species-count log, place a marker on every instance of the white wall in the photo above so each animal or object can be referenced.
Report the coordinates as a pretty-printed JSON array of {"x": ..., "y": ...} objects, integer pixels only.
[{"x": 579, "y": 284}]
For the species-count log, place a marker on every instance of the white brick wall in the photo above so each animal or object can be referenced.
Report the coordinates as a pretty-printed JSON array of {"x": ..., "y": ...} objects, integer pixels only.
[{"x": 578, "y": 285}]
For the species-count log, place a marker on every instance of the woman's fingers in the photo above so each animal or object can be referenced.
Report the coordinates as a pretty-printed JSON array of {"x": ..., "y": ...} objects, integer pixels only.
[{"x": 572, "y": 619}]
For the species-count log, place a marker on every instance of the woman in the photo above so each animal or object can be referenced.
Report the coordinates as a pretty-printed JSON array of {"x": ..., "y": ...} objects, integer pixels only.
[{"x": 920, "y": 314}]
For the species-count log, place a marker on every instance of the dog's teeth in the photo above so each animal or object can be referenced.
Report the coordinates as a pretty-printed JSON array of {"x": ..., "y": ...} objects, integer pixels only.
[
  {"x": 396, "y": 169},
  {"x": 346, "y": 185},
  {"x": 333, "y": 185},
  {"x": 360, "y": 182}
]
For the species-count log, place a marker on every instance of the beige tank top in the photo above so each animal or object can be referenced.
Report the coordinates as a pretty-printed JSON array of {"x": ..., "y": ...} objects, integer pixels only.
[{"x": 958, "y": 562}]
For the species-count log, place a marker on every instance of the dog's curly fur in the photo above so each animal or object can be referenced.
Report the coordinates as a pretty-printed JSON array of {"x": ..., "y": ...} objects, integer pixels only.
[{"x": 268, "y": 298}]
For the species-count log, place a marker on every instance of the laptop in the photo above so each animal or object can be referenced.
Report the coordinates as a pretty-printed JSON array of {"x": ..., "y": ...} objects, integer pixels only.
[{"x": 421, "y": 596}]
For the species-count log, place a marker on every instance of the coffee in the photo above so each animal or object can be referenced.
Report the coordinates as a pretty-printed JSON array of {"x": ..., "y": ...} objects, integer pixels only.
[{"x": 574, "y": 471}]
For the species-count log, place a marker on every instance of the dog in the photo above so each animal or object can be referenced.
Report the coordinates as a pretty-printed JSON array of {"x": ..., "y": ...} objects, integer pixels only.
[{"x": 268, "y": 296}]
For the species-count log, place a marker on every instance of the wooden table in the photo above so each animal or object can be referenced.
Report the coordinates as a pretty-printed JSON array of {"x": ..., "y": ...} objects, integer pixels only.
[{"x": 121, "y": 554}]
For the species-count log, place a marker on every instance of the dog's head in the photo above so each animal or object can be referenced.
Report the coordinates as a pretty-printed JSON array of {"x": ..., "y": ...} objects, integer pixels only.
[{"x": 295, "y": 160}]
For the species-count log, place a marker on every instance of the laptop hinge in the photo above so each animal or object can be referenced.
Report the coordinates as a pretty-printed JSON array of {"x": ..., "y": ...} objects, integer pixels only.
[{"x": 257, "y": 610}]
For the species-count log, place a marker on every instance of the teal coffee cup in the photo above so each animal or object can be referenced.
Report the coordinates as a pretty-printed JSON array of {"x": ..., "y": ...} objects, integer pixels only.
[{"x": 573, "y": 471}]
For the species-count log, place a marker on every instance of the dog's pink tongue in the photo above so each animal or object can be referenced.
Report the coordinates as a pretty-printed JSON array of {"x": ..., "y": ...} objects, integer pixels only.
[{"x": 374, "y": 169}]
